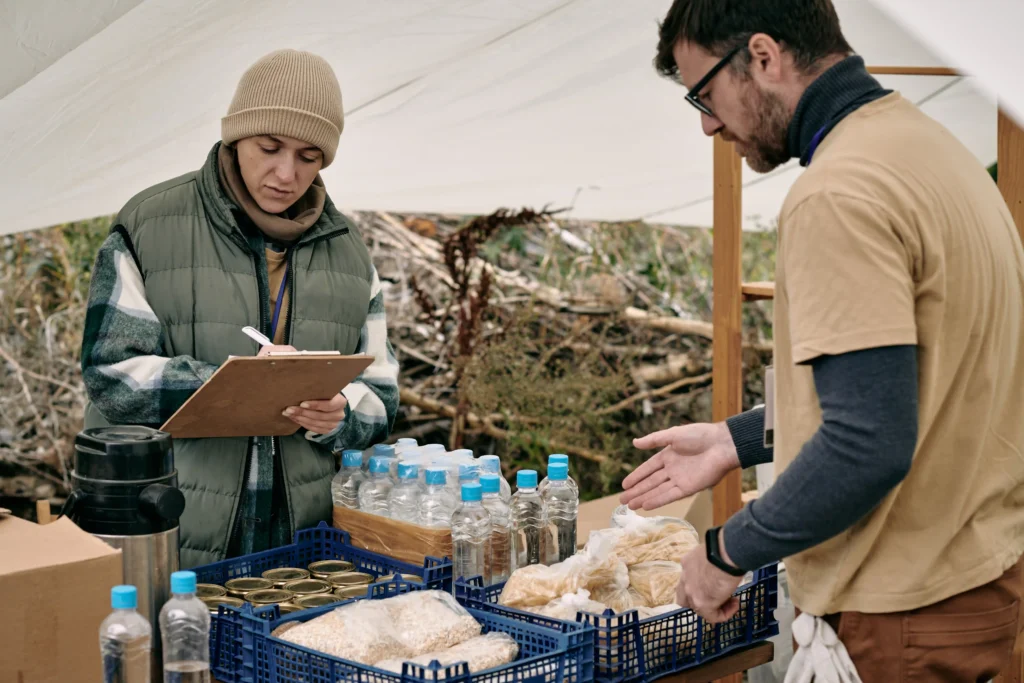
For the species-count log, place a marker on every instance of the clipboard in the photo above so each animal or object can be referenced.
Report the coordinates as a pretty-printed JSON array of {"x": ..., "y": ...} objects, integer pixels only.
[{"x": 247, "y": 394}]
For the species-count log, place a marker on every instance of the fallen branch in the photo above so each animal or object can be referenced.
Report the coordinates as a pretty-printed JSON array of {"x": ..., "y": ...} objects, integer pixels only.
[
  {"x": 473, "y": 421},
  {"x": 676, "y": 366},
  {"x": 668, "y": 324},
  {"x": 654, "y": 393}
]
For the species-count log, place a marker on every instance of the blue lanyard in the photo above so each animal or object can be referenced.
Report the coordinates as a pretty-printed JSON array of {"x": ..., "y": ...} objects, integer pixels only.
[
  {"x": 277, "y": 306},
  {"x": 815, "y": 141}
]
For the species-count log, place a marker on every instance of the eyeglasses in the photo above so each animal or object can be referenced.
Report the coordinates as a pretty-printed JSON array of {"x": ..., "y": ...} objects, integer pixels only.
[{"x": 693, "y": 96}]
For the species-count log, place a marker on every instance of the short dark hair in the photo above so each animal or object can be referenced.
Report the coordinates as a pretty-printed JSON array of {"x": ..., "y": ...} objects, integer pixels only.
[{"x": 807, "y": 29}]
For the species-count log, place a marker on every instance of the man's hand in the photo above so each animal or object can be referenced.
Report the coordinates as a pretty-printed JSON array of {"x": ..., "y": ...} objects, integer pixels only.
[
  {"x": 319, "y": 417},
  {"x": 692, "y": 458},
  {"x": 705, "y": 588}
]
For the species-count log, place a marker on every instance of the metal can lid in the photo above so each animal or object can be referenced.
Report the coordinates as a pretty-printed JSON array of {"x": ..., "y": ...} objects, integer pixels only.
[
  {"x": 307, "y": 586},
  {"x": 411, "y": 578},
  {"x": 318, "y": 600},
  {"x": 350, "y": 579},
  {"x": 331, "y": 567},
  {"x": 346, "y": 592},
  {"x": 269, "y": 596},
  {"x": 287, "y": 608},
  {"x": 210, "y": 590},
  {"x": 283, "y": 575},
  {"x": 247, "y": 584},
  {"x": 213, "y": 602}
]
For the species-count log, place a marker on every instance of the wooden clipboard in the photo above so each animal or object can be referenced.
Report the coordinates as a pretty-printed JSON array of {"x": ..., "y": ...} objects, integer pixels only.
[{"x": 247, "y": 394}]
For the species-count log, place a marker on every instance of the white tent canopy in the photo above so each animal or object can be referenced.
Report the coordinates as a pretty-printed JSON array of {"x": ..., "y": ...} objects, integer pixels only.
[{"x": 451, "y": 105}]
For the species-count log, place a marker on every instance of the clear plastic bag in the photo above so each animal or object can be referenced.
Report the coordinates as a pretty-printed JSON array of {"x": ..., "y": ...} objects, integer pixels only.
[
  {"x": 537, "y": 585},
  {"x": 646, "y": 539},
  {"x": 427, "y": 621},
  {"x": 360, "y": 631},
  {"x": 480, "y": 653},
  {"x": 617, "y": 594},
  {"x": 656, "y": 581},
  {"x": 567, "y": 606}
]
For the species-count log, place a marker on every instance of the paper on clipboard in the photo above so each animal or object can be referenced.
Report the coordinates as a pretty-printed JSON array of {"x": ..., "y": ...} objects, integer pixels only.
[{"x": 247, "y": 395}]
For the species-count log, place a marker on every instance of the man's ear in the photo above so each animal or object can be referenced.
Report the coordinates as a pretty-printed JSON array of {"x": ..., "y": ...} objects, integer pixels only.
[{"x": 765, "y": 57}]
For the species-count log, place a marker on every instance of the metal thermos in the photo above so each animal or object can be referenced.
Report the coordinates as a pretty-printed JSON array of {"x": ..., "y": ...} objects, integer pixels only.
[{"x": 125, "y": 492}]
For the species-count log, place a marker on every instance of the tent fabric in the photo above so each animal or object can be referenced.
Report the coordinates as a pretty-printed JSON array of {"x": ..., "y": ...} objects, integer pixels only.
[{"x": 451, "y": 106}]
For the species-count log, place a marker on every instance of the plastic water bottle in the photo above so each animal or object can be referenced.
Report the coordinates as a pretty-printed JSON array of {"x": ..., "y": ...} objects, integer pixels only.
[
  {"x": 185, "y": 628},
  {"x": 530, "y": 532},
  {"x": 125, "y": 639},
  {"x": 471, "y": 535},
  {"x": 462, "y": 454},
  {"x": 405, "y": 444},
  {"x": 404, "y": 499},
  {"x": 436, "y": 503},
  {"x": 345, "y": 485},
  {"x": 553, "y": 458},
  {"x": 434, "y": 449},
  {"x": 562, "y": 506},
  {"x": 373, "y": 493},
  {"x": 491, "y": 464},
  {"x": 499, "y": 564},
  {"x": 469, "y": 473}
]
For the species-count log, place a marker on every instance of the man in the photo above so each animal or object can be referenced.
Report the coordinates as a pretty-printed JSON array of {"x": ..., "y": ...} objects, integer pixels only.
[
  {"x": 899, "y": 509},
  {"x": 252, "y": 238}
]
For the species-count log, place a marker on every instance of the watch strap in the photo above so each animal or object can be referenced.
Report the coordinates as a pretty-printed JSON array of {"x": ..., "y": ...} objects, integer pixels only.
[{"x": 714, "y": 553}]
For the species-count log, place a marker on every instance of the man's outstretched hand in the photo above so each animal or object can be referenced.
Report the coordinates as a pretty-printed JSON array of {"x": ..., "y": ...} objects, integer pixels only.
[{"x": 692, "y": 458}]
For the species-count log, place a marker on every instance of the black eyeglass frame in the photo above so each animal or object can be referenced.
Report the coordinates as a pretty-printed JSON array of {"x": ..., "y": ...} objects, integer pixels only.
[{"x": 693, "y": 96}]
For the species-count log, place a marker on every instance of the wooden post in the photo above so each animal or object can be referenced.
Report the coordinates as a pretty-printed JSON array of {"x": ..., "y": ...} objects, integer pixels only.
[
  {"x": 727, "y": 359},
  {"x": 1010, "y": 177}
]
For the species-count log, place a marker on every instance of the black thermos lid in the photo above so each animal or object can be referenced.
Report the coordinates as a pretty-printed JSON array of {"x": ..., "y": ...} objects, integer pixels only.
[{"x": 124, "y": 453}]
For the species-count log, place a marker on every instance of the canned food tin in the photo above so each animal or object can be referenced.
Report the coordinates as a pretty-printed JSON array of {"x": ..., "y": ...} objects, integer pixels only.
[
  {"x": 348, "y": 592},
  {"x": 269, "y": 596},
  {"x": 350, "y": 579},
  {"x": 212, "y": 602},
  {"x": 287, "y": 608},
  {"x": 283, "y": 575},
  {"x": 411, "y": 578},
  {"x": 318, "y": 600},
  {"x": 237, "y": 588},
  {"x": 308, "y": 587},
  {"x": 324, "y": 568},
  {"x": 210, "y": 590}
]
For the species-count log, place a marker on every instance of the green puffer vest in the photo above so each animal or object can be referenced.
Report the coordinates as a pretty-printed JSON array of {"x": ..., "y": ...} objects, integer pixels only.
[{"x": 205, "y": 280}]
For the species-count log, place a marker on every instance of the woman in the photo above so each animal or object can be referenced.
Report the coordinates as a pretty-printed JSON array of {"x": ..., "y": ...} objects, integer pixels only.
[{"x": 251, "y": 238}]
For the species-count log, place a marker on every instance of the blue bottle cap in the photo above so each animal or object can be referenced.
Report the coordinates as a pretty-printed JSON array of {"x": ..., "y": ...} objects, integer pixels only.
[
  {"x": 124, "y": 597},
  {"x": 558, "y": 457},
  {"x": 469, "y": 470},
  {"x": 384, "y": 449},
  {"x": 526, "y": 479},
  {"x": 406, "y": 442},
  {"x": 183, "y": 582},
  {"x": 490, "y": 483},
  {"x": 351, "y": 458},
  {"x": 471, "y": 492},
  {"x": 436, "y": 475},
  {"x": 490, "y": 463},
  {"x": 379, "y": 465},
  {"x": 558, "y": 471},
  {"x": 408, "y": 470}
]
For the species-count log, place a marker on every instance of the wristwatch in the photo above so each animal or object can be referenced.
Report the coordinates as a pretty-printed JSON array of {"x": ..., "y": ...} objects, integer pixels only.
[{"x": 715, "y": 555}]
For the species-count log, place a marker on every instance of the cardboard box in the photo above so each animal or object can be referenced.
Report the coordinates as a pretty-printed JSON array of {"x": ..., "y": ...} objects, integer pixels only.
[
  {"x": 55, "y": 583},
  {"x": 400, "y": 540}
]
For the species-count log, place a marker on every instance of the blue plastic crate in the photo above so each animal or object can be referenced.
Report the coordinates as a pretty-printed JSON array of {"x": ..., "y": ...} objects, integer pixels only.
[
  {"x": 550, "y": 651},
  {"x": 628, "y": 649},
  {"x": 311, "y": 545}
]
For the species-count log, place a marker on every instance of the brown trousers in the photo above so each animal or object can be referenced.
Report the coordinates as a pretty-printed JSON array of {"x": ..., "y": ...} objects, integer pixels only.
[{"x": 963, "y": 639}]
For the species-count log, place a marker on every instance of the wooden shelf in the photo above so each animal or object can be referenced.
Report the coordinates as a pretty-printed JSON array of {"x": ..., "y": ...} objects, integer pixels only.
[
  {"x": 755, "y": 291},
  {"x": 912, "y": 71},
  {"x": 728, "y": 665}
]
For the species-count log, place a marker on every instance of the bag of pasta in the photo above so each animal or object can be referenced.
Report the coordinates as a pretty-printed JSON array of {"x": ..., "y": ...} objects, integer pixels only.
[
  {"x": 617, "y": 594},
  {"x": 656, "y": 581},
  {"x": 568, "y": 606},
  {"x": 646, "y": 539}
]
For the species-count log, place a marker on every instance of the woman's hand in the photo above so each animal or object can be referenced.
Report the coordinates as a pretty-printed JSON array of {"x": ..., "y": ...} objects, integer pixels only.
[{"x": 319, "y": 417}]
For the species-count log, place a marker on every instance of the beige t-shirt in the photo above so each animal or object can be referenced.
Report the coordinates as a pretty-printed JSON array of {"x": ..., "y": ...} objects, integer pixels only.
[{"x": 895, "y": 234}]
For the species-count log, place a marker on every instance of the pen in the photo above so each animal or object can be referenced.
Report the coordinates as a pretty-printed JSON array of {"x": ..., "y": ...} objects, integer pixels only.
[{"x": 256, "y": 335}]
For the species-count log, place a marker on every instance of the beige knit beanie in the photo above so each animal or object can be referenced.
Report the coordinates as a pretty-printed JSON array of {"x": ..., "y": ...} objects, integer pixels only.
[{"x": 291, "y": 93}]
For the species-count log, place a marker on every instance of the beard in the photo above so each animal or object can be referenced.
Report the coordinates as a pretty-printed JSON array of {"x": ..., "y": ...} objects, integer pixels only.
[{"x": 766, "y": 147}]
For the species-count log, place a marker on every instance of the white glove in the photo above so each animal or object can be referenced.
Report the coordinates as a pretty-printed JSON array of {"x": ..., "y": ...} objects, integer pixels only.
[{"x": 820, "y": 656}]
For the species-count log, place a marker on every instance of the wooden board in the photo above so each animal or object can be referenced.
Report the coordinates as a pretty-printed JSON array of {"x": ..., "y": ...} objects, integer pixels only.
[
  {"x": 725, "y": 667},
  {"x": 247, "y": 394},
  {"x": 400, "y": 540},
  {"x": 755, "y": 291}
]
